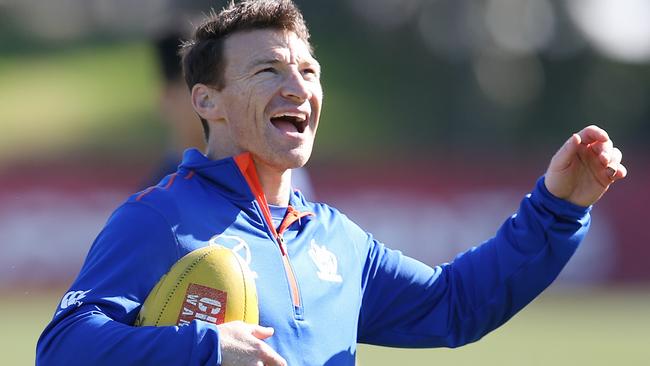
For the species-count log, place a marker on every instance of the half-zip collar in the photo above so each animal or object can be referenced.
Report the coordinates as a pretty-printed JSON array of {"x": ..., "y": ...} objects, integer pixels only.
[
  {"x": 247, "y": 168},
  {"x": 220, "y": 172},
  {"x": 227, "y": 174}
]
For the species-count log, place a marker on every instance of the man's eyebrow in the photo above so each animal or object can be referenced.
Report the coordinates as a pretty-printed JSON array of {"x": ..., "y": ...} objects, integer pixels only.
[
  {"x": 314, "y": 62},
  {"x": 278, "y": 60},
  {"x": 265, "y": 61}
]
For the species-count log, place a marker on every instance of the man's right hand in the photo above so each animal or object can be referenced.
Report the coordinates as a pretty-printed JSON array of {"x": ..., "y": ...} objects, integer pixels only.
[{"x": 241, "y": 344}]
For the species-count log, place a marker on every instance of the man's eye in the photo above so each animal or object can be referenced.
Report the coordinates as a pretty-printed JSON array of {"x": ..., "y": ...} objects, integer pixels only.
[
  {"x": 310, "y": 72},
  {"x": 268, "y": 69}
]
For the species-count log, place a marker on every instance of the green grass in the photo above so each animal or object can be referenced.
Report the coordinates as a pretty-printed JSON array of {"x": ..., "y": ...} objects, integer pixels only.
[
  {"x": 582, "y": 328},
  {"x": 23, "y": 315},
  {"x": 561, "y": 328},
  {"x": 54, "y": 101}
]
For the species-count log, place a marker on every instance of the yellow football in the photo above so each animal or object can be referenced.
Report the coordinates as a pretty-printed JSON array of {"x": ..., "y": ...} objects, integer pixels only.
[{"x": 212, "y": 284}]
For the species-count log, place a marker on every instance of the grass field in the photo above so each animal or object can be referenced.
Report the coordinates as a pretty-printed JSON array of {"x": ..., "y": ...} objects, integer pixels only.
[
  {"x": 90, "y": 96},
  {"x": 583, "y": 327}
]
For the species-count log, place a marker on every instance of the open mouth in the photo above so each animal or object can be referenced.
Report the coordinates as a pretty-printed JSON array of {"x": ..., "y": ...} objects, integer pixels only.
[{"x": 290, "y": 122}]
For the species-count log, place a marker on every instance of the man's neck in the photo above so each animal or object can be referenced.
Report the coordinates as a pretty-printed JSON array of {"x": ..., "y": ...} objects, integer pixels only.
[{"x": 276, "y": 185}]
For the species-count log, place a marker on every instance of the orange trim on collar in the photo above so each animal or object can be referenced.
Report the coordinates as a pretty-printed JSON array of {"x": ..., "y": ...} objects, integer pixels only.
[
  {"x": 292, "y": 216},
  {"x": 247, "y": 167},
  {"x": 245, "y": 163}
]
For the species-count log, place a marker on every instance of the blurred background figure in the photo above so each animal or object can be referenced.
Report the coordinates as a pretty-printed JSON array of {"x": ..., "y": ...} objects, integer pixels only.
[
  {"x": 430, "y": 106},
  {"x": 184, "y": 126}
]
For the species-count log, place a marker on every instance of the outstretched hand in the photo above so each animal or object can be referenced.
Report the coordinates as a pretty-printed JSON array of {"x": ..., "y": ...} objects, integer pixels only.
[
  {"x": 584, "y": 167},
  {"x": 241, "y": 344}
]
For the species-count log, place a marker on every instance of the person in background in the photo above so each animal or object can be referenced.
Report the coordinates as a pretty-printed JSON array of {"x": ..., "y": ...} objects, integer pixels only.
[{"x": 183, "y": 125}]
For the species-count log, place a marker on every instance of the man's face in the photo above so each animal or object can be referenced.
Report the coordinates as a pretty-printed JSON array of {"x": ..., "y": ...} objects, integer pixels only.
[{"x": 272, "y": 96}]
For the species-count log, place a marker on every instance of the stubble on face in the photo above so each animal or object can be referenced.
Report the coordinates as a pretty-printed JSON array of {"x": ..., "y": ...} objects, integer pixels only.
[{"x": 270, "y": 75}]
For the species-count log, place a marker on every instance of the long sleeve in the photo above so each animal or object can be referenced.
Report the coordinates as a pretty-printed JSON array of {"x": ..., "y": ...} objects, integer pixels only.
[
  {"x": 408, "y": 304},
  {"x": 93, "y": 323}
]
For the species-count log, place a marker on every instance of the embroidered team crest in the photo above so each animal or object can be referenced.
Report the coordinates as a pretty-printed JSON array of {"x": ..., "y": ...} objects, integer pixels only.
[{"x": 326, "y": 262}]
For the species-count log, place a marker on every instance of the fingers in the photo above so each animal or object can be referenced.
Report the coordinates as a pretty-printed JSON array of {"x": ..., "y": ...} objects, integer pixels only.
[
  {"x": 616, "y": 156},
  {"x": 582, "y": 170},
  {"x": 565, "y": 155},
  {"x": 610, "y": 157},
  {"x": 616, "y": 169},
  {"x": 261, "y": 332},
  {"x": 270, "y": 357},
  {"x": 591, "y": 134},
  {"x": 603, "y": 150},
  {"x": 614, "y": 163},
  {"x": 621, "y": 172},
  {"x": 605, "y": 171},
  {"x": 267, "y": 354},
  {"x": 242, "y": 344}
]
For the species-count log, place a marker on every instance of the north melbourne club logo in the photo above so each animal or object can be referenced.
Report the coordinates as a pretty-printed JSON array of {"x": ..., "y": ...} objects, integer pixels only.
[
  {"x": 326, "y": 262},
  {"x": 203, "y": 303}
]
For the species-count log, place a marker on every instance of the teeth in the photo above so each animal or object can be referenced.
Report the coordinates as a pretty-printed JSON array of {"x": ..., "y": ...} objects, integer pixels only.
[{"x": 299, "y": 116}]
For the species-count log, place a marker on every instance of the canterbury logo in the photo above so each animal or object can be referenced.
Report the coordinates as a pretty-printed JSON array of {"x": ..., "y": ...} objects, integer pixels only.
[{"x": 73, "y": 298}]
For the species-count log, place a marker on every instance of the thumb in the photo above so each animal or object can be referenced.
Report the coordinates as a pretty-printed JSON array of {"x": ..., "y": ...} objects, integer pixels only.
[
  {"x": 566, "y": 153},
  {"x": 261, "y": 332}
]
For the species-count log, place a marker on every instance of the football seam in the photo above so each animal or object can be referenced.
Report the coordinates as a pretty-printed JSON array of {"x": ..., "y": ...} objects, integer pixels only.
[{"x": 181, "y": 278}]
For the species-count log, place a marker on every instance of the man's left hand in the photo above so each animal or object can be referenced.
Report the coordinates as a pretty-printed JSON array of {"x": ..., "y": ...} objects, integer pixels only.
[{"x": 584, "y": 167}]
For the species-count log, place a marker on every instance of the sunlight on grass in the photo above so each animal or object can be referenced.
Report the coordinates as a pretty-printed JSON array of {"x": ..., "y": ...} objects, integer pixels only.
[
  {"x": 559, "y": 329},
  {"x": 604, "y": 327}
]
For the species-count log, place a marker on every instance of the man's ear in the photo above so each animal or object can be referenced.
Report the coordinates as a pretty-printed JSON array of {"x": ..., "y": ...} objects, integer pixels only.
[{"x": 205, "y": 102}]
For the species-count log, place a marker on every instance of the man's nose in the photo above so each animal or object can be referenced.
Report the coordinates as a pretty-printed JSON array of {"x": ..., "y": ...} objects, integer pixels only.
[{"x": 295, "y": 87}]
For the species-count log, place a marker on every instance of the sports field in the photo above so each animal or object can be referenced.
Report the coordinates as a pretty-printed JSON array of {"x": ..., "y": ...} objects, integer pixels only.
[
  {"x": 566, "y": 327},
  {"x": 87, "y": 83}
]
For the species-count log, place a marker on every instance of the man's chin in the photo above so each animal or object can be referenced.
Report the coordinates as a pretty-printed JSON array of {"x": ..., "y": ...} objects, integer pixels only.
[
  {"x": 296, "y": 158},
  {"x": 296, "y": 161},
  {"x": 287, "y": 160}
]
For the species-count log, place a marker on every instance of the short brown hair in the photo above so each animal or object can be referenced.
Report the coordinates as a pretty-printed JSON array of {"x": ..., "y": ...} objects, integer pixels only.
[{"x": 203, "y": 59}]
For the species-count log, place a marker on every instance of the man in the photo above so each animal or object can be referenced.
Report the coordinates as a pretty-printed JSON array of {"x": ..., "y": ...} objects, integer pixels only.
[
  {"x": 177, "y": 112},
  {"x": 255, "y": 84}
]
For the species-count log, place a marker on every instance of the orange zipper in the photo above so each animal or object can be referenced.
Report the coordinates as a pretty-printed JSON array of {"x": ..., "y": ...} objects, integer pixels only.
[
  {"x": 247, "y": 168},
  {"x": 291, "y": 217}
]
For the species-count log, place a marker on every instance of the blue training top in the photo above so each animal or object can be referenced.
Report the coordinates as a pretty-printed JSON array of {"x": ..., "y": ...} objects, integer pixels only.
[{"x": 323, "y": 283}]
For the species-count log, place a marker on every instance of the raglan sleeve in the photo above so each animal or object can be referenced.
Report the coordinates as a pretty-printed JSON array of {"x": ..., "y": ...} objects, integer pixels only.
[
  {"x": 406, "y": 303},
  {"x": 93, "y": 322}
]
